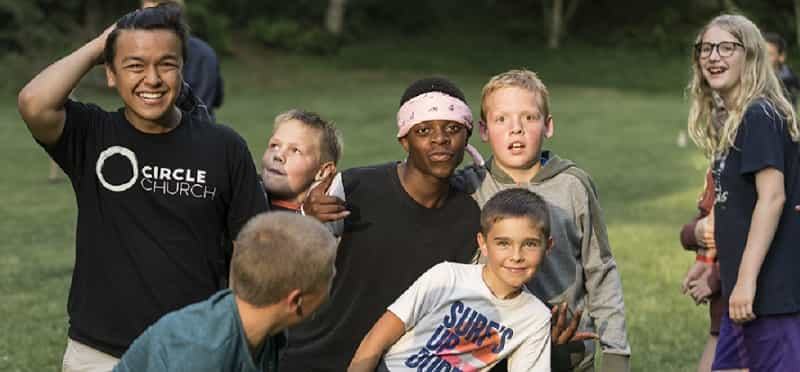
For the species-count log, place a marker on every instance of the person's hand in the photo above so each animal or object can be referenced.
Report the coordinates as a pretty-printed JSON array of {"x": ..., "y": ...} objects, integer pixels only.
[
  {"x": 559, "y": 334},
  {"x": 740, "y": 304},
  {"x": 323, "y": 207},
  {"x": 695, "y": 272},
  {"x": 99, "y": 44},
  {"x": 699, "y": 289}
]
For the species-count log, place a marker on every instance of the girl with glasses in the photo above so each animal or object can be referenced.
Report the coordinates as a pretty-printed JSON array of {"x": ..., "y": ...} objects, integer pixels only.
[{"x": 751, "y": 134}]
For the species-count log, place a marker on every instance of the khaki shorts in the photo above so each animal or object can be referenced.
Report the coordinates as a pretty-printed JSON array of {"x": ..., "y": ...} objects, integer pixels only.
[{"x": 82, "y": 358}]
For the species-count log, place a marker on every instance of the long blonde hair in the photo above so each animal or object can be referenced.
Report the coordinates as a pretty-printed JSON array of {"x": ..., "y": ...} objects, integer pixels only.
[{"x": 758, "y": 80}]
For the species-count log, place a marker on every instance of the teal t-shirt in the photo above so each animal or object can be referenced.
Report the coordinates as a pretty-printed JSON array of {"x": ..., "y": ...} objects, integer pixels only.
[{"x": 206, "y": 336}]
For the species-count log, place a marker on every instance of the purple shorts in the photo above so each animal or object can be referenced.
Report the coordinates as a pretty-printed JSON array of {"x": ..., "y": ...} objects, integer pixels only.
[{"x": 769, "y": 343}]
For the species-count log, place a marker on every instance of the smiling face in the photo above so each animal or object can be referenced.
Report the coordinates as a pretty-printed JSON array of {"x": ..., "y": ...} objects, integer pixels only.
[
  {"x": 723, "y": 74},
  {"x": 291, "y": 162},
  {"x": 146, "y": 72},
  {"x": 514, "y": 247},
  {"x": 435, "y": 147},
  {"x": 515, "y": 128}
]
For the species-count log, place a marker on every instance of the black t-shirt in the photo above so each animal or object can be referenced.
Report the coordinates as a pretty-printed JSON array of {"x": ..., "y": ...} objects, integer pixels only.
[
  {"x": 762, "y": 141},
  {"x": 153, "y": 211},
  {"x": 389, "y": 241}
]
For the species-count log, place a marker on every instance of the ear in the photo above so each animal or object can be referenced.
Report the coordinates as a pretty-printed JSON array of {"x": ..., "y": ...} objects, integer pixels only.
[
  {"x": 482, "y": 245},
  {"x": 549, "y": 127},
  {"x": 484, "y": 130},
  {"x": 294, "y": 302},
  {"x": 403, "y": 142},
  {"x": 782, "y": 58},
  {"x": 325, "y": 170},
  {"x": 111, "y": 79},
  {"x": 549, "y": 246}
]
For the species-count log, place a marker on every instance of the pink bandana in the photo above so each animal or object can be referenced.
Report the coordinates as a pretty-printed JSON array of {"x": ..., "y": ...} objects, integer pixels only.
[
  {"x": 432, "y": 106},
  {"x": 436, "y": 106}
]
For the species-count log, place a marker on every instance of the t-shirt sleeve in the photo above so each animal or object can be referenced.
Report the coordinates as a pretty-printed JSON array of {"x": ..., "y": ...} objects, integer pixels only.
[
  {"x": 763, "y": 134},
  {"x": 69, "y": 151},
  {"x": 247, "y": 199},
  {"x": 147, "y": 353},
  {"x": 423, "y": 296},
  {"x": 534, "y": 353}
]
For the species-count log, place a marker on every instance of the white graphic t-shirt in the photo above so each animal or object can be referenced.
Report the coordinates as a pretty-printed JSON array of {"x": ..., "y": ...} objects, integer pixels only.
[{"x": 454, "y": 323}]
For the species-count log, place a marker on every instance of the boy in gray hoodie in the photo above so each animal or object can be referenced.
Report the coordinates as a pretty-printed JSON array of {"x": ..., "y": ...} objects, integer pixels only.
[{"x": 580, "y": 269}]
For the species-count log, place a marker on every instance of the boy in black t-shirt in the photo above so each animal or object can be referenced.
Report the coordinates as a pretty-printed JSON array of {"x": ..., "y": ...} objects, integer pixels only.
[
  {"x": 404, "y": 217},
  {"x": 302, "y": 150},
  {"x": 157, "y": 189}
]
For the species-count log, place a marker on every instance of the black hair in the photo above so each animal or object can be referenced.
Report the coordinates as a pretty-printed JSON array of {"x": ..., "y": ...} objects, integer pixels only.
[
  {"x": 516, "y": 202},
  {"x": 776, "y": 40},
  {"x": 165, "y": 16},
  {"x": 432, "y": 84}
]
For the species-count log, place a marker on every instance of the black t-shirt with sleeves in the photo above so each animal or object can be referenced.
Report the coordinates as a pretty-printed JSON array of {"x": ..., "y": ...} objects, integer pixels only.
[
  {"x": 762, "y": 141},
  {"x": 389, "y": 240},
  {"x": 153, "y": 214}
]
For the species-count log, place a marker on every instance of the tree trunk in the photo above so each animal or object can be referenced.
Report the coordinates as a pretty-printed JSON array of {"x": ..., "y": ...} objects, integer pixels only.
[
  {"x": 797, "y": 19},
  {"x": 334, "y": 16},
  {"x": 729, "y": 6},
  {"x": 554, "y": 37},
  {"x": 556, "y": 19}
]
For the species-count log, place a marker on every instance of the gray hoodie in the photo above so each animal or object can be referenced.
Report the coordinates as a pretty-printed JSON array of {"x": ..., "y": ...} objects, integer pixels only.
[{"x": 580, "y": 268}]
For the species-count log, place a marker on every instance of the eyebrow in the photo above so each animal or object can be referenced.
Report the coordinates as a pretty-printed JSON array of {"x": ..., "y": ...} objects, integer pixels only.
[{"x": 169, "y": 56}]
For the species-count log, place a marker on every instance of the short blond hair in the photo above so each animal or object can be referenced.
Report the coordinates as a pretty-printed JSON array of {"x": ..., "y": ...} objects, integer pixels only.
[
  {"x": 278, "y": 252},
  {"x": 524, "y": 79},
  {"x": 330, "y": 139}
]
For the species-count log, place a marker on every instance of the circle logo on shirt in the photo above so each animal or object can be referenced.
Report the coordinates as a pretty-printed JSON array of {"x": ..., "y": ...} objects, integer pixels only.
[{"x": 109, "y": 152}]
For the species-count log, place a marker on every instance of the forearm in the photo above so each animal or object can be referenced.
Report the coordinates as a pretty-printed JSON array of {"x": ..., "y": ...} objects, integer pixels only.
[
  {"x": 386, "y": 331},
  {"x": 766, "y": 215},
  {"x": 41, "y": 101},
  {"x": 604, "y": 302}
]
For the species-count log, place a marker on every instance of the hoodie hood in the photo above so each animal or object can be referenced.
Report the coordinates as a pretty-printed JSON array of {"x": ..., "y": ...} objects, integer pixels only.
[{"x": 552, "y": 165}]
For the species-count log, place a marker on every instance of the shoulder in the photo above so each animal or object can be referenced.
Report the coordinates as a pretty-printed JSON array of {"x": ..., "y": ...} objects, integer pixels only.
[
  {"x": 216, "y": 132},
  {"x": 369, "y": 172},
  {"x": 577, "y": 182},
  {"x": 197, "y": 46},
  {"x": 536, "y": 307},
  {"x": 469, "y": 178},
  {"x": 451, "y": 268},
  {"x": 762, "y": 111},
  {"x": 83, "y": 110}
]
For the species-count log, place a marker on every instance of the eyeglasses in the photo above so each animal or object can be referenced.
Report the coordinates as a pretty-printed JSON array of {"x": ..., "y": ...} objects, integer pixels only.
[{"x": 724, "y": 49}]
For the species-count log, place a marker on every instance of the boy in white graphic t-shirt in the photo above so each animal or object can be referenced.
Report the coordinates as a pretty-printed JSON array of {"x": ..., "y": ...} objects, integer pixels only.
[{"x": 458, "y": 317}]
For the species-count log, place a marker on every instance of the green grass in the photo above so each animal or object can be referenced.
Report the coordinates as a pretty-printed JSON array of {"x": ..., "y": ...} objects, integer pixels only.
[{"x": 617, "y": 115}]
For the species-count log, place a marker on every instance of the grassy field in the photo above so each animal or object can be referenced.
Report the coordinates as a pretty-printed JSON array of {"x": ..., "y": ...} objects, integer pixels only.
[{"x": 617, "y": 115}]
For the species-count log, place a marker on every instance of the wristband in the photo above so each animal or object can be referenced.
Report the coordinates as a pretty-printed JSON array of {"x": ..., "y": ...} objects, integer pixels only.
[{"x": 701, "y": 258}]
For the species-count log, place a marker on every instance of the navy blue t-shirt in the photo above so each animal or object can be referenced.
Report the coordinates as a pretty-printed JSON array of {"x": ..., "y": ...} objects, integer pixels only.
[
  {"x": 154, "y": 214},
  {"x": 762, "y": 141}
]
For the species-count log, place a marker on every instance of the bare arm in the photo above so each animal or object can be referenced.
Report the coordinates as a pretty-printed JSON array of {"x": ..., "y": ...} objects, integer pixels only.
[
  {"x": 766, "y": 214},
  {"x": 41, "y": 101},
  {"x": 386, "y": 331}
]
